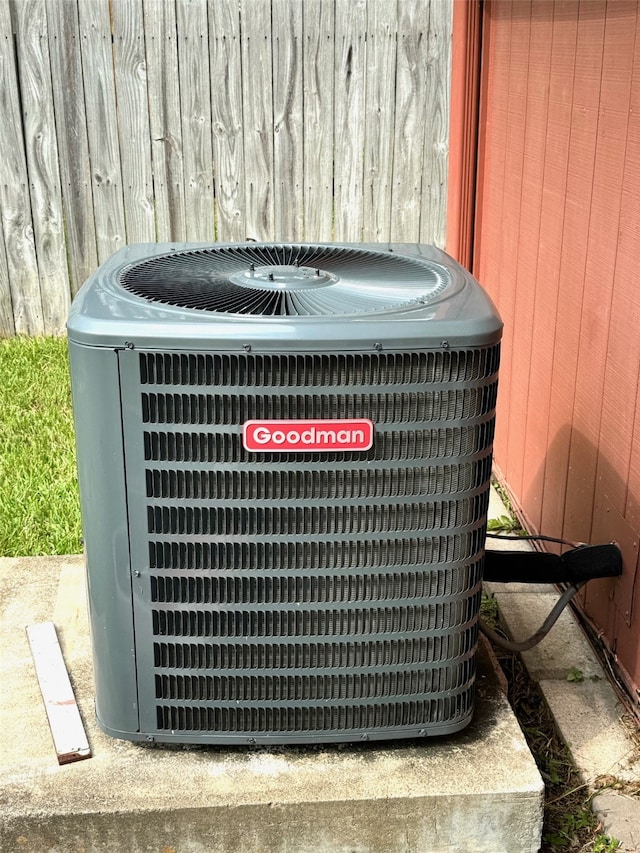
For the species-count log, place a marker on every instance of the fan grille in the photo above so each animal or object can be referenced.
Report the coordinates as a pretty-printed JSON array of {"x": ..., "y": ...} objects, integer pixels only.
[{"x": 286, "y": 280}]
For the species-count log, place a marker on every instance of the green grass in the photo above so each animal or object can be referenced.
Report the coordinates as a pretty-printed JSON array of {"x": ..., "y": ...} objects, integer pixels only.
[{"x": 39, "y": 508}]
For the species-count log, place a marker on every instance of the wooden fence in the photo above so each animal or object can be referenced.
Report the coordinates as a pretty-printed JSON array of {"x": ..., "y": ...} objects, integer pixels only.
[{"x": 126, "y": 121}]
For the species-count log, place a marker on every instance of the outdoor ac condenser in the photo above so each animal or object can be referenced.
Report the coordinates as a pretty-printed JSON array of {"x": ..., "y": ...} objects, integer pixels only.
[{"x": 284, "y": 455}]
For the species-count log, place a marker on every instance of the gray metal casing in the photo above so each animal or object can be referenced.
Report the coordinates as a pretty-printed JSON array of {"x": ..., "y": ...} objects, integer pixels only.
[{"x": 112, "y": 333}]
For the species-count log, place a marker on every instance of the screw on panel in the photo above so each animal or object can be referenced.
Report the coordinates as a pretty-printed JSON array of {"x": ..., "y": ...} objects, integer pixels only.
[
  {"x": 129, "y": 345},
  {"x": 444, "y": 344},
  {"x": 246, "y": 347},
  {"x": 136, "y": 574},
  {"x": 377, "y": 347}
]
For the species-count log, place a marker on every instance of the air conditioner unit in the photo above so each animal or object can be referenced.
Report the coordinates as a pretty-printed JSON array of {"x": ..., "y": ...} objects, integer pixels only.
[{"x": 284, "y": 455}]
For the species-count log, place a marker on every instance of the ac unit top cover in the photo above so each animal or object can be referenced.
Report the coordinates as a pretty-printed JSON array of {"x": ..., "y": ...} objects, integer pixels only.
[{"x": 274, "y": 296}]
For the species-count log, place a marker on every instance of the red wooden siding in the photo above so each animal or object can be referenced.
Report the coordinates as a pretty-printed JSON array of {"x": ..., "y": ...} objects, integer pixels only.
[{"x": 557, "y": 244}]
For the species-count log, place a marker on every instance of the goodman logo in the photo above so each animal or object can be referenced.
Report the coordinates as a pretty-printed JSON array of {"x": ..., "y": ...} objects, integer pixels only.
[{"x": 308, "y": 436}]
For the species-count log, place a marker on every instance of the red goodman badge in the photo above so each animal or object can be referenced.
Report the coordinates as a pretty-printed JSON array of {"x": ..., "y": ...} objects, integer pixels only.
[{"x": 308, "y": 436}]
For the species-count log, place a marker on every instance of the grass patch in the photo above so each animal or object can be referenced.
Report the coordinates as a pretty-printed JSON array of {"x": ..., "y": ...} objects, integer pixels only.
[{"x": 39, "y": 507}]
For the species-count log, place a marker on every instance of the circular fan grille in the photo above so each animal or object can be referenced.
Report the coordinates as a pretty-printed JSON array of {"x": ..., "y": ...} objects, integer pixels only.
[{"x": 286, "y": 280}]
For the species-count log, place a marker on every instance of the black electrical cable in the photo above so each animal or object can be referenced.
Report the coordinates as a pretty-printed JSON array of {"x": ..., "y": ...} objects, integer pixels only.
[
  {"x": 541, "y": 633},
  {"x": 531, "y": 538}
]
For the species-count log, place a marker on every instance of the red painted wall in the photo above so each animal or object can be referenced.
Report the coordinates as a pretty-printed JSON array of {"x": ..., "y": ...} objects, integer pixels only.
[{"x": 557, "y": 245}]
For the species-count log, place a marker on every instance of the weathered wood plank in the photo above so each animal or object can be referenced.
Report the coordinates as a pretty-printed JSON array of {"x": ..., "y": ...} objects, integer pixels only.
[
  {"x": 318, "y": 71},
  {"x": 15, "y": 202},
  {"x": 195, "y": 96},
  {"x": 133, "y": 119},
  {"x": 433, "y": 212},
  {"x": 165, "y": 125},
  {"x": 67, "y": 729},
  {"x": 227, "y": 120},
  {"x": 257, "y": 81},
  {"x": 226, "y": 117},
  {"x": 216, "y": 119},
  {"x": 73, "y": 146},
  {"x": 286, "y": 23},
  {"x": 379, "y": 118},
  {"x": 42, "y": 162},
  {"x": 411, "y": 119},
  {"x": 7, "y": 324},
  {"x": 102, "y": 126},
  {"x": 349, "y": 110}
]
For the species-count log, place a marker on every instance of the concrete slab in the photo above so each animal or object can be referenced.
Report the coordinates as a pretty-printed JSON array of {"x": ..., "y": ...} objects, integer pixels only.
[
  {"x": 620, "y": 818},
  {"x": 562, "y": 650},
  {"x": 587, "y": 713},
  {"x": 588, "y": 718},
  {"x": 478, "y": 790}
]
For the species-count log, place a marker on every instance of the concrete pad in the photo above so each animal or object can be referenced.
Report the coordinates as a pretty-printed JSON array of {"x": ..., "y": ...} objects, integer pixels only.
[
  {"x": 620, "y": 818},
  {"x": 478, "y": 790},
  {"x": 587, "y": 715},
  {"x": 563, "y": 649},
  {"x": 495, "y": 588}
]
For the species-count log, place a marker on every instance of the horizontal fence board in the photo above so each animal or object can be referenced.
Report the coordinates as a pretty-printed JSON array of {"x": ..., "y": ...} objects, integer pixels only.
[{"x": 202, "y": 120}]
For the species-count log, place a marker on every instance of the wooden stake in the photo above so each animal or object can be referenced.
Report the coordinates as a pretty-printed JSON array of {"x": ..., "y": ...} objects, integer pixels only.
[{"x": 67, "y": 730}]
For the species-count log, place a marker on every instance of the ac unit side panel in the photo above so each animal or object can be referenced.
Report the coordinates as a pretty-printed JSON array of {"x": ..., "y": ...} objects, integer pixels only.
[
  {"x": 300, "y": 597},
  {"x": 100, "y": 458}
]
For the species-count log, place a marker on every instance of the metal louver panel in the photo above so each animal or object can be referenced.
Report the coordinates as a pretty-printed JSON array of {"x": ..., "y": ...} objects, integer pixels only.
[{"x": 290, "y": 597}]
